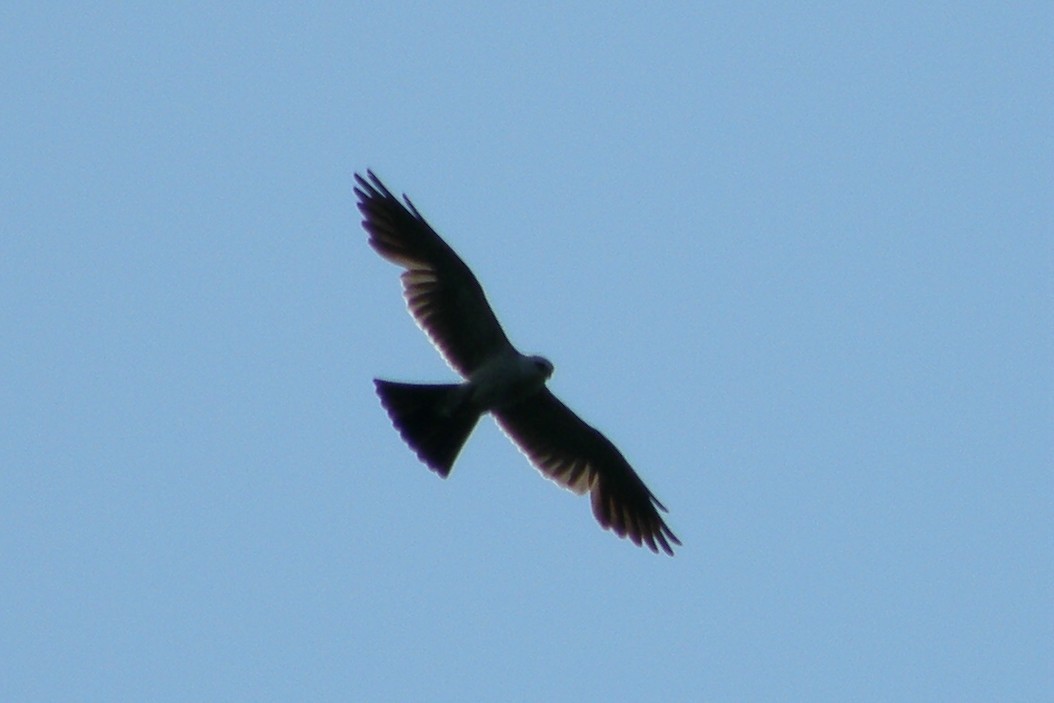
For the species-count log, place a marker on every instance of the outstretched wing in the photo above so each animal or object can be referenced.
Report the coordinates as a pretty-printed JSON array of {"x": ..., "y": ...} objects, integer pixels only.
[
  {"x": 443, "y": 296},
  {"x": 567, "y": 450}
]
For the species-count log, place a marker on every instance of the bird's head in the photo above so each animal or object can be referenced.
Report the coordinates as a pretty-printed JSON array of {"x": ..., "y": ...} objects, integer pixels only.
[{"x": 544, "y": 366}]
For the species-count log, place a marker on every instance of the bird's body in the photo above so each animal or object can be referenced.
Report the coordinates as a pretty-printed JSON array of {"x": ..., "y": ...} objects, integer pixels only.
[
  {"x": 436, "y": 419},
  {"x": 507, "y": 378}
]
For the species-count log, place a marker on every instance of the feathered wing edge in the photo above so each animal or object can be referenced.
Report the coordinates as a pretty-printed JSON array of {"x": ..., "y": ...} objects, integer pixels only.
[
  {"x": 442, "y": 294},
  {"x": 578, "y": 457}
]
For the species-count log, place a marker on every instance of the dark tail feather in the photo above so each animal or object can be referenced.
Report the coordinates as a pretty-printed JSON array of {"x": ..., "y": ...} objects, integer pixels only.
[{"x": 430, "y": 419}]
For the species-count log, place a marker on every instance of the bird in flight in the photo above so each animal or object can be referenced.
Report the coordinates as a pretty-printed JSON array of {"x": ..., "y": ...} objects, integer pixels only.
[{"x": 436, "y": 420}]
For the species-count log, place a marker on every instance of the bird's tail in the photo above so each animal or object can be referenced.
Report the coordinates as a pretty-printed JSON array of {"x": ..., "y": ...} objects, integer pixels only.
[{"x": 434, "y": 420}]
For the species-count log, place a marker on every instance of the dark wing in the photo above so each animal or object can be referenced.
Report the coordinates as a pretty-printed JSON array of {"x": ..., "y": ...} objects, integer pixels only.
[
  {"x": 567, "y": 450},
  {"x": 440, "y": 290}
]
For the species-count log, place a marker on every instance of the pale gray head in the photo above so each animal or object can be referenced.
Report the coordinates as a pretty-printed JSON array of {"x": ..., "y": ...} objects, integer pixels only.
[{"x": 543, "y": 365}]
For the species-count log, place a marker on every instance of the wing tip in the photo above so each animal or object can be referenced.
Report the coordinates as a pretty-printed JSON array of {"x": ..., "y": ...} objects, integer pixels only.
[
  {"x": 642, "y": 524},
  {"x": 372, "y": 188}
]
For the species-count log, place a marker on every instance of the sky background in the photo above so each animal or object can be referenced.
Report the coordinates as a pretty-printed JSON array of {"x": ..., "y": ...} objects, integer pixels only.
[{"x": 795, "y": 260}]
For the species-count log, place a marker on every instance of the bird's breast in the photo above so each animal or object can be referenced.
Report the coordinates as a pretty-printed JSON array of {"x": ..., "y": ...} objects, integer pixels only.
[{"x": 503, "y": 381}]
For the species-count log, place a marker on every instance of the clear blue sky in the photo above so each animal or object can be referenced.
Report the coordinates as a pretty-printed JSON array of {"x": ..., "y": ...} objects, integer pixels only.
[{"x": 797, "y": 262}]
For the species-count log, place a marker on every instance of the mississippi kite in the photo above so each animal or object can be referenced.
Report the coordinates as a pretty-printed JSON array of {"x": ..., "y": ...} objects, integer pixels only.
[{"x": 448, "y": 303}]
